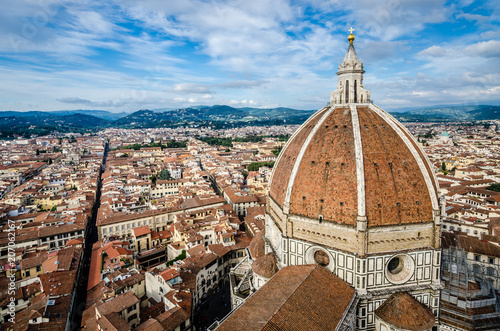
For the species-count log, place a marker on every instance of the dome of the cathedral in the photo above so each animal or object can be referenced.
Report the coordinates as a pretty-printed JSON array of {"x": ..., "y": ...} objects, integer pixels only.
[
  {"x": 353, "y": 161},
  {"x": 344, "y": 159},
  {"x": 266, "y": 265},
  {"x": 257, "y": 246}
]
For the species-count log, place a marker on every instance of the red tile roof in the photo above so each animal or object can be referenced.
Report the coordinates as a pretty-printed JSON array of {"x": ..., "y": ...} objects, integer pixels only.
[
  {"x": 141, "y": 231},
  {"x": 326, "y": 178},
  {"x": 291, "y": 301},
  {"x": 404, "y": 312},
  {"x": 169, "y": 274}
]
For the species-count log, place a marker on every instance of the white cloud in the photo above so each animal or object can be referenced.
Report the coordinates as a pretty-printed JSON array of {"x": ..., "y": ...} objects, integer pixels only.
[
  {"x": 490, "y": 48},
  {"x": 434, "y": 51},
  {"x": 244, "y": 103},
  {"x": 473, "y": 17},
  {"x": 191, "y": 88},
  {"x": 389, "y": 20}
]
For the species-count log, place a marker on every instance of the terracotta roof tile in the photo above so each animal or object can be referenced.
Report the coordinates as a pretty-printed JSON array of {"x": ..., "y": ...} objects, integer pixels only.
[
  {"x": 287, "y": 158},
  {"x": 172, "y": 318},
  {"x": 141, "y": 231},
  {"x": 404, "y": 312},
  {"x": 265, "y": 266},
  {"x": 257, "y": 246},
  {"x": 291, "y": 301},
  {"x": 326, "y": 179}
]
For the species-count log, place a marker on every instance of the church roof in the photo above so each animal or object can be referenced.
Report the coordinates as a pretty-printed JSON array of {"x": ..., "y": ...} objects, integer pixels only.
[
  {"x": 291, "y": 301},
  {"x": 404, "y": 312},
  {"x": 355, "y": 160}
]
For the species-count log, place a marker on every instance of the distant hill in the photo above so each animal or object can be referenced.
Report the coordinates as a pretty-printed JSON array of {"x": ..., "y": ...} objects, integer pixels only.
[
  {"x": 107, "y": 115},
  {"x": 41, "y": 124},
  {"x": 218, "y": 116},
  {"x": 451, "y": 113},
  {"x": 226, "y": 116}
]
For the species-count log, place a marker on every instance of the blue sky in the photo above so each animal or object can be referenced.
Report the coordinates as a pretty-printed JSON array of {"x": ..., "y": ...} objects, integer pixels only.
[{"x": 126, "y": 55}]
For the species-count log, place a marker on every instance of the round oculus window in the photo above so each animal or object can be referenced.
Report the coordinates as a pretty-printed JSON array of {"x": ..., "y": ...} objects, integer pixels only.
[
  {"x": 399, "y": 269},
  {"x": 395, "y": 265},
  {"x": 321, "y": 258}
]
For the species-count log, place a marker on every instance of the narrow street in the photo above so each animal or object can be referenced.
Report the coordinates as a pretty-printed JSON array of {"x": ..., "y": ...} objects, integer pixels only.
[
  {"x": 215, "y": 308},
  {"x": 90, "y": 237}
]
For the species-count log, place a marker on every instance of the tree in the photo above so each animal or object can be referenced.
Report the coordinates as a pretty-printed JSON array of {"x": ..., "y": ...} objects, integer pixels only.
[
  {"x": 72, "y": 139},
  {"x": 494, "y": 187},
  {"x": 153, "y": 179},
  {"x": 181, "y": 256},
  {"x": 443, "y": 166},
  {"x": 50, "y": 160},
  {"x": 164, "y": 175},
  {"x": 54, "y": 208},
  {"x": 277, "y": 150},
  {"x": 227, "y": 150},
  {"x": 429, "y": 134},
  {"x": 37, "y": 152},
  {"x": 254, "y": 166}
]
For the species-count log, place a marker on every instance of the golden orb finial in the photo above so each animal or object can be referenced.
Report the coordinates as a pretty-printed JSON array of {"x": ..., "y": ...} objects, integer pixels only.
[{"x": 351, "y": 37}]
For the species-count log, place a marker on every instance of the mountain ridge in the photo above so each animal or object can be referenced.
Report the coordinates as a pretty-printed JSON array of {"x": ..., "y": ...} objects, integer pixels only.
[{"x": 217, "y": 116}]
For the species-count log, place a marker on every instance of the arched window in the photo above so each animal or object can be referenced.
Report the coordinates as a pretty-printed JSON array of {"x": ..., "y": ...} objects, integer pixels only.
[
  {"x": 355, "y": 91},
  {"x": 346, "y": 91}
]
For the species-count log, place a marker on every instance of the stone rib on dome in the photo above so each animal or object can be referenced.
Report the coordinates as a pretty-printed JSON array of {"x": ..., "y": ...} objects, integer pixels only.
[
  {"x": 398, "y": 185},
  {"x": 287, "y": 161}
]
